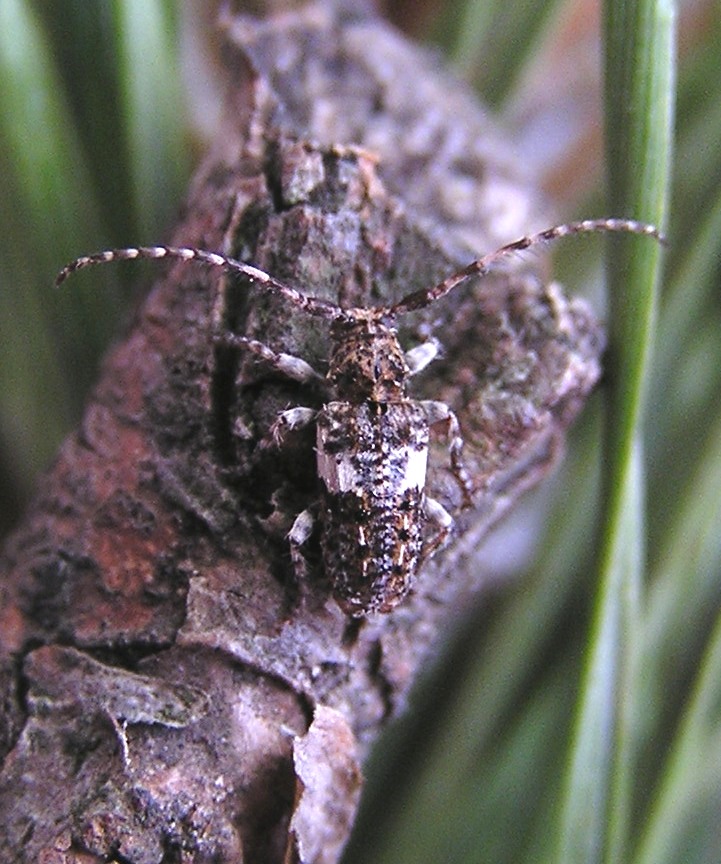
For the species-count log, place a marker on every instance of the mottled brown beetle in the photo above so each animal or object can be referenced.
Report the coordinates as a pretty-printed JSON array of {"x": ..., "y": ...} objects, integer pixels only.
[{"x": 371, "y": 438}]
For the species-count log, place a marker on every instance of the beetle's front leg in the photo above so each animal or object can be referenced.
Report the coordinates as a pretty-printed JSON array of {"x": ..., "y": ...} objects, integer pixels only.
[
  {"x": 289, "y": 365},
  {"x": 439, "y": 412},
  {"x": 422, "y": 355}
]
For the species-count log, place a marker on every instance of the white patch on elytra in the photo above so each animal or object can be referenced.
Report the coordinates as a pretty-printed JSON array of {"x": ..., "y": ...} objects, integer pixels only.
[
  {"x": 415, "y": 473},
  {"x": 401, "y": 468}
]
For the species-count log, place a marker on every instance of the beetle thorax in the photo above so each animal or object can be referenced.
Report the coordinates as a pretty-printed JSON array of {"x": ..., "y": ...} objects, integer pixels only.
[{"x": 366, "y": 363}]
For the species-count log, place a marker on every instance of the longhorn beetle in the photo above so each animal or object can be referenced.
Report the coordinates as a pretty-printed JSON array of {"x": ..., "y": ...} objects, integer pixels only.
[{"x": 371, "y": 438}]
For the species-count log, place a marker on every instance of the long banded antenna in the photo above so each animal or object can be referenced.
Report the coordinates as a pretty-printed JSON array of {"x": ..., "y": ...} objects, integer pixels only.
[
  {"x": 480, "y": 267},
  {"x": 328, "y": 310},
  {"x": 312, "y": 305}
]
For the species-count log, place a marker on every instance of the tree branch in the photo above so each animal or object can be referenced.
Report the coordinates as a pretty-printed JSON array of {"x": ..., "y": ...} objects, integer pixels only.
[{"x": 168, "y": 695}]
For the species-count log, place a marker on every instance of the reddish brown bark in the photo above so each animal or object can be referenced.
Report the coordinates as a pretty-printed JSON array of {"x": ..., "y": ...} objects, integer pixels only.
[{"x": 168, "y": 695}]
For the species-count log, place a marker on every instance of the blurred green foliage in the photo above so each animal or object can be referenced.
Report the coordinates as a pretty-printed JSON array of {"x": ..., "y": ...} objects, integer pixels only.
[{"x": 93, "y": 152}]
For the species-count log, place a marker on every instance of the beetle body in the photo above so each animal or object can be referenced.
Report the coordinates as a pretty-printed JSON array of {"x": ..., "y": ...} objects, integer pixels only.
[
  {"x": 371, "y": 458},
  {"x": 372, "y": 463},
  {"x": 371, "y": 438}
]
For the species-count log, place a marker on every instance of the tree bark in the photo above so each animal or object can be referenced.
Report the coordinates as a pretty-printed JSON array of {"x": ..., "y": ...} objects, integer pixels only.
[{"x": 168, "y": 692}]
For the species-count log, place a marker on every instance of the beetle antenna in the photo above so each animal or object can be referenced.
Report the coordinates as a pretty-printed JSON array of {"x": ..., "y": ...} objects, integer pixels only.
[
  {"x": 482, "y": 266},
  {"x": 312, "y": 305}
]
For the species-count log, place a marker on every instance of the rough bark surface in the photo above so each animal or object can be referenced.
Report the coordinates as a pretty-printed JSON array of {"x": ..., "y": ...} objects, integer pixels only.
[{"x": 167, "y": 695}]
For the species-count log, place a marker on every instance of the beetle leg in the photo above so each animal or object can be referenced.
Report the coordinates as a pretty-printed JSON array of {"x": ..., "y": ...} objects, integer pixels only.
[
  {"x": 299, "y": 533},
  {"x": 437, "y": 514},
  {"x": 287, "y": 421},
  {"x": 439, "y": 412},
  {"x": 422, "y": 355},
  {"x": 292, "y": 367}
]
